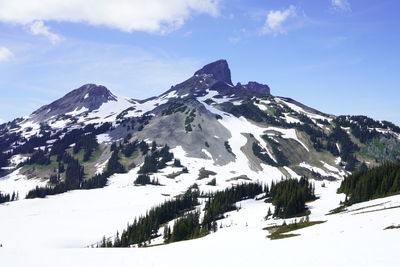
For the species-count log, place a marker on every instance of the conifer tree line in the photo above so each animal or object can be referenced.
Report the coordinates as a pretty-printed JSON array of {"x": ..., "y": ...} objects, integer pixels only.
[
  {"x": 144, "y": 179},
  {"x": 88, "y": 143},
  {"x": 277, "y": 151},
  {"x": 74, "y": 171},
  {"x": 74, "y": 176},
  {"x": 289, "y": 196},
  {"x": 146, "y": 227},
  {"x": 4, "y": 157},
  {"x": 224, "y": 201},
  {"x": 39, "y": 157},
  {"x": 260, "y": 153},
  {"x": 156, "y": 160},
  {"x": 64, "y": 139},
  {"x": 376, "y": 182},
  {"x": 321, "y": 140},
  {"x": 7, "y": 197},
  {"x": 83, "y": 138},
  {"x": 188, "y": 224},
  {"x": 362, "y": 127},
  {"x": 185, "y": 228}
]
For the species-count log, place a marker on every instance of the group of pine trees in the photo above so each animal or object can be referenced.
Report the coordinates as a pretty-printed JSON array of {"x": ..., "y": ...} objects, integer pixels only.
[
  {"x": 7, "y": 197},
  {"x": 74, "y": 177},
  {"x": 156, "y": 160},
  {"x": 82, "y": 138},
  {"x": 88, "y": 143},
  {"x": 39, "y": 157},
  {"x": 364, "y": 128},
  {"x": 185, "y": 228},
  {"x": 187, "y": 224},
  {"x": 75, "y": 174},
  {"x": 320, "y": 140},
  {"x": 144, "y": 179},
  {"x": 260, "y": 153},
  {"x": 146, "y": 227},
  {"x": 224, "y": 201},
  {"x": 4, "y": 157},
  {"x": 74, "y": 171},
  {"x": 376, "y": 182},
  {"x": 289, "y": 196}
]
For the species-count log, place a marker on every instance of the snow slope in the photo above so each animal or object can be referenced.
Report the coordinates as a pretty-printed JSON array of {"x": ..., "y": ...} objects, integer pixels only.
[{"x": 348, "y": 239}]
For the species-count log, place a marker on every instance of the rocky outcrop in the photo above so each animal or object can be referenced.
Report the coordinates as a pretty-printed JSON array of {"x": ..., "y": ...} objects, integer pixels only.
[
  {"x": 219, "y": 70},
  {"x": 88, "y": 97}
]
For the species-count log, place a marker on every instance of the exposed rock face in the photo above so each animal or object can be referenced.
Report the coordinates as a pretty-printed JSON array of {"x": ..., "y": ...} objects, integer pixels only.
[
  {"x": 89, "y": 96},
  {"x": 257, "y": 88},
  {"x": 216, "y": 76},
  {"x": 219, "y": 70}
]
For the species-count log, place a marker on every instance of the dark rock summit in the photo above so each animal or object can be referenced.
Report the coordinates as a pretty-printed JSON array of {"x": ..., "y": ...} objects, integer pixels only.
[
  {"x": 89, "y": 96},
  {"x": 257, "y": 88},
  {"x": 216, "y": 76},
  {"x": 219, "y": 70}
]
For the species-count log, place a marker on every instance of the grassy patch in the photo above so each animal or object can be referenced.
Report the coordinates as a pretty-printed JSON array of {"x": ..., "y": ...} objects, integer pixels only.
[
  {"x": 53, "y": 165},
  {"x": 280, "y": 232},
  {"x": 127, "y": 162},
  {"x": 79, "y": 156}
]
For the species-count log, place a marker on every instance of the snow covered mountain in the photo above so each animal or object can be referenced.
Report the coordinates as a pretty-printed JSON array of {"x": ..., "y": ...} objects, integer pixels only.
[{"x": 218, "y": 135}]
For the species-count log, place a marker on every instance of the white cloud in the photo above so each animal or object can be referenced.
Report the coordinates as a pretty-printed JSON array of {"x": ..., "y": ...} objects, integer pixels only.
[
  {"x": 341, "y": 5},
  {"x": 38, "y": 28},
  {"x": 5, "y": 54},
  {"x": 276, "y": 21},
  {"x": 1, "y": 121},
  {"x": 154, "y": 16}
]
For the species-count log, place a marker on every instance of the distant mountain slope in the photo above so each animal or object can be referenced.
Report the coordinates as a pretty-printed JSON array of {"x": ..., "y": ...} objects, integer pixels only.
[{"x": 240, "y": 126}]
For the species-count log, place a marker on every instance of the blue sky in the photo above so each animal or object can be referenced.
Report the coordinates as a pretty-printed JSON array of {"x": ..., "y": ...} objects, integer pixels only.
[{"x": 338, "y": 56}]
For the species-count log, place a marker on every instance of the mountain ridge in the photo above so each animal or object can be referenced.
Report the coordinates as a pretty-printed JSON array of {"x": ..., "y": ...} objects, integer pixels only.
[{"x": 110, "y": 159}]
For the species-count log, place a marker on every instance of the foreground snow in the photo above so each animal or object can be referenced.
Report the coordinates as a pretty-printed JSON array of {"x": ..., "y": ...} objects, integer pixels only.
[
  {"x": 345, "y": 240},
  {"x": 60, "y": 227}
]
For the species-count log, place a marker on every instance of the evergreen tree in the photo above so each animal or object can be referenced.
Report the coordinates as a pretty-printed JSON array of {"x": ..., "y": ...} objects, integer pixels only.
[
  {"x": 113, "y": 165},
  {"x": 186, "y": 227},
  {"x": 289, "y": 196},
  {"x": 74, "y": 175},
  {"x": 372, "y": 183}
]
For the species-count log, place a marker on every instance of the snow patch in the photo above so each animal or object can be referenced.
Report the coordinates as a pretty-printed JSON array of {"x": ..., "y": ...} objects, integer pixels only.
[
  {"x": 16, "y": 182},
  {"x": 103, "y": 138}
]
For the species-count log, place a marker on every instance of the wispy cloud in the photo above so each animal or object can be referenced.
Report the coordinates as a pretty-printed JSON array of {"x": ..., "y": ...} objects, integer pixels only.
[
  {"x": 38, "y": 28},
  {"x": 341, "y": 5},
  {"x": 5, "y": 54},
  {"x": 153, "y": 16},
  {"x": 126, "y": 69},
  {"x": 276, "y": 21}
]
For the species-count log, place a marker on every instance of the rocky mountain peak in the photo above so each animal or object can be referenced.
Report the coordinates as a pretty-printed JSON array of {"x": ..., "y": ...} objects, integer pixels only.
[
  {"x": 90, "y": 91},
  {"x": 219, "y": 70},
  {"x": 85, "y": 98}
]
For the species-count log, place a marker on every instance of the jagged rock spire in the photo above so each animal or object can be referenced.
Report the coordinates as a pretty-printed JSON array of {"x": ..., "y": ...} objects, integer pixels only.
[{"x": 218, "y": 69}]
